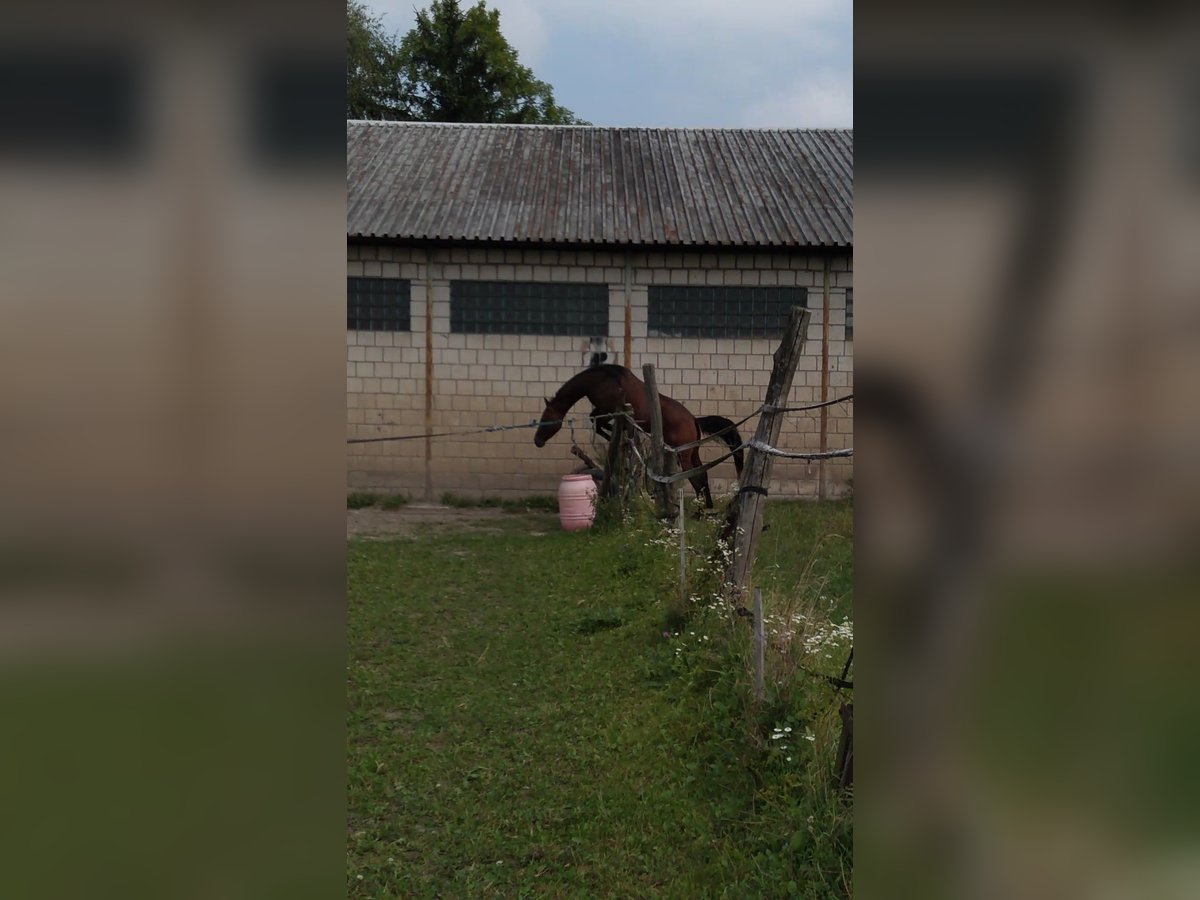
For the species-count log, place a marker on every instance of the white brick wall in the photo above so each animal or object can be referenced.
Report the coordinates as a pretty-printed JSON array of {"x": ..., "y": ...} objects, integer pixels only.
[{"x": 481, "y": 380}]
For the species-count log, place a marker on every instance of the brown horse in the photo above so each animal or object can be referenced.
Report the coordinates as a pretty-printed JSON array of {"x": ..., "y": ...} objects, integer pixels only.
[{"x": 610, "y": 387}]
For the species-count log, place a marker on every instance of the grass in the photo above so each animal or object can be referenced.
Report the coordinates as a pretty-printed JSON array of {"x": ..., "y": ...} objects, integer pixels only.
[
  {"x": 363, "y": 500},
  {"x": 523, "y": 723},
  {"x": 532, "y": 503}
]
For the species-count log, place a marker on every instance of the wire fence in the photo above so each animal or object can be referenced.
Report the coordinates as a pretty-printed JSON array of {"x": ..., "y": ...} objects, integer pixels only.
[{"x": 571, "y": 421}]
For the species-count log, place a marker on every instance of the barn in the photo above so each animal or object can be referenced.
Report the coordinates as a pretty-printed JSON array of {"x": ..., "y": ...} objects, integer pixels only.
[{"x": 487, "y": 264}]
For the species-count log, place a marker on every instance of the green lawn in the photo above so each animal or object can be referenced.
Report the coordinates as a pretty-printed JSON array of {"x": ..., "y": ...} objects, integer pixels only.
[{"x": 519, "y": 725}]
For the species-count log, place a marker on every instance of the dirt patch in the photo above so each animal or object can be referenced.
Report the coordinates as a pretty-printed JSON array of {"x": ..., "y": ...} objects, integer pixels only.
[{"x": 418, "y": 518}]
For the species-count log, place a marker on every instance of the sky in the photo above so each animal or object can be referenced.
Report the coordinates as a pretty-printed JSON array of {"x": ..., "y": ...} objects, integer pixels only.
[{"x": 681, "y": 63}]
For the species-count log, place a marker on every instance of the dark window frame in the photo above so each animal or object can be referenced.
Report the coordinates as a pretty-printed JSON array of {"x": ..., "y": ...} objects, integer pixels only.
[
  {"x": 378, "y": 304},
  {"x": 722, "y": 311},
  {"x": 543, "y": 308}
]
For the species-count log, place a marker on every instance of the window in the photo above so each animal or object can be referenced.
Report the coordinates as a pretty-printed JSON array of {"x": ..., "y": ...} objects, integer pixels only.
[
  {"x": 377, "y": 304},
  {"x": 295, "y": 100},
  {"x": 65, "y": 103},
  {"x": 528, "y": 307},
  {"x": 722, "y": 312},
  {"x": 849, "y": 314}
]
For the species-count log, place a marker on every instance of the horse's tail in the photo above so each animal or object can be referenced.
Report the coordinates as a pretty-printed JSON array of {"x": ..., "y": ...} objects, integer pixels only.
[{"x": 729, "y": 434}]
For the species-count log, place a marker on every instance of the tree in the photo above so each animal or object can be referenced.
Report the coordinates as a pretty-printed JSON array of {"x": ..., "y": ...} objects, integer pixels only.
[
  {"x": 374, "y": 89},
  {"x": 454, "y": 66}
]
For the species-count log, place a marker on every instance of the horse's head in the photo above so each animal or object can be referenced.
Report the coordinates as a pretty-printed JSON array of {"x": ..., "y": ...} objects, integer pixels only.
[{"x": 552, "y": 422}]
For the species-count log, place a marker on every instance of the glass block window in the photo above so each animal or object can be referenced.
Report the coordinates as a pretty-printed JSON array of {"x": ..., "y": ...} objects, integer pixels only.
[
  {"x": 377, "y": 304},
  {"x": 528, "y": 307},
  {"x": 722, "y": 312},
  {"x": 849, "y": 314}
]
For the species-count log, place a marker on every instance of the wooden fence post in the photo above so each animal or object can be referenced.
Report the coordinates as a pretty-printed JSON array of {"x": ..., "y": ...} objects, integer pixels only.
[
  {"x": 614, "y": 460},
  {"x": 661, "y": 461},
  {"x": 747, "y": 509},
  {"x": 845, "y": 757}
]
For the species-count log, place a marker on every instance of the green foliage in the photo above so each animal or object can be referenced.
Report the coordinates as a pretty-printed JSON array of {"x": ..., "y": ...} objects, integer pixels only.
[
  {"x": 460, "y": 68},
  {"x": 374, "y": 89},
  {"x": 454, "y": 66},
  {"x": 394, "y": 501},
  {"x": 360, "y": 500}
]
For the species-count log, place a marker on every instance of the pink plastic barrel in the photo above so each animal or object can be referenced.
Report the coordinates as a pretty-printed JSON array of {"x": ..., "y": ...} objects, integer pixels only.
[{"x": 576, "y": 502}]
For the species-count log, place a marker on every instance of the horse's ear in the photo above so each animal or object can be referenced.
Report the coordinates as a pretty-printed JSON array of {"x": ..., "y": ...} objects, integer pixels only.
[{"x": 547, "y": 399}]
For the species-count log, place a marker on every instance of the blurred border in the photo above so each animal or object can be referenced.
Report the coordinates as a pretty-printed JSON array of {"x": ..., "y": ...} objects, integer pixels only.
[
  {"x": 1027, "y": 215},
  {"x": 172, "y": 539}
]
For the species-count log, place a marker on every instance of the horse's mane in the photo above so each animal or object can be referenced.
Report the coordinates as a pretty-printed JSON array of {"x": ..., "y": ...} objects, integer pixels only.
[
  {"x": 610, "y": 369},
  {"x": 606, "y": 370}
]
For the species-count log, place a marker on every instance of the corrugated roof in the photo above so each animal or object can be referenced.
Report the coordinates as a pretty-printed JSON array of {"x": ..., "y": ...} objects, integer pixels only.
[{"x": 584, "y": 184}]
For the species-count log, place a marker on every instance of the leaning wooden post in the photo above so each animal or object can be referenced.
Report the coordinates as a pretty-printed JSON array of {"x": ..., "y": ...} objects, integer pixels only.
[
  {"x": 660, "y": 459},
  {"x": 614, "y": 462},
  {"x": 747, "y": 509}
]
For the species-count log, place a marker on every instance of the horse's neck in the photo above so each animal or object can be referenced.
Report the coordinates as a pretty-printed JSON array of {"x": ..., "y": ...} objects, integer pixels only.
[{"x": 585, "y": 384}]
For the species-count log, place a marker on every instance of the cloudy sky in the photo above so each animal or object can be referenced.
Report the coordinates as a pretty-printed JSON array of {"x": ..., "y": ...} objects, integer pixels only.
[{"x": 728, "y": 63}]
